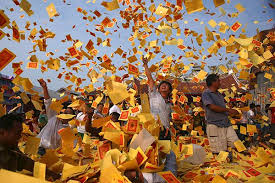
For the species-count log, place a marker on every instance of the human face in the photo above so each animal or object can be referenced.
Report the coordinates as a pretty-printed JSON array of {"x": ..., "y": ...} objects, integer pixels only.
[
  {"x": 11, "y": 137},
  {"x": 217, "y": 84},
  {"x": 241, "y": 104},
  {"x": 164, "y": 90},
  {"x": 100, "y": 108},
  {"x": 114, "y": 117}
]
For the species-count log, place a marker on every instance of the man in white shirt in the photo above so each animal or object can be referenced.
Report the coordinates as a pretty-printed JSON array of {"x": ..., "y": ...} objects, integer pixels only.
[
  {"x": 159, "y": 101},
  {"x": 50, "y": 139},
  {"x": 160, "y": 106}
]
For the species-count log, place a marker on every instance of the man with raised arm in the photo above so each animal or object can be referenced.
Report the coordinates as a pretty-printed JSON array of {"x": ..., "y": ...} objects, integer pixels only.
[
  {"x": 159, "y": 100},
  {"x": 160, "y": 106},
  {"x": 50, "y": 139}
]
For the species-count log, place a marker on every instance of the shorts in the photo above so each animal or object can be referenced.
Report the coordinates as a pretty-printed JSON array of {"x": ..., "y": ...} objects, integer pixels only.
[{"x": 220, "y": 138}]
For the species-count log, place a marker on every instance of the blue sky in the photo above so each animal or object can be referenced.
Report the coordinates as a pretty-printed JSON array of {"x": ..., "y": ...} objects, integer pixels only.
[{"x": 256, "y": 10}]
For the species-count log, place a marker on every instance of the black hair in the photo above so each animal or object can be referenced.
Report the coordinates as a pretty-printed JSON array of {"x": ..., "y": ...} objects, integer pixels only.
[
  {"x": 252, "y": 105},
  {"x": 100, "y": 104},
  {"x": 258, "y": 105},
  {"x": 211, "y": 78},
  {"x": 138, "y": 99},
  {"x": 71, "y": 109},
  {"x": 267, "y": 108},
  {"x": 116, "y": 115},
  {"x": 7, "y": 121},
  {"x": 132, "y": 179},
  {"x": 66, "y": 104},
  {"x": 166, "y": 82}
]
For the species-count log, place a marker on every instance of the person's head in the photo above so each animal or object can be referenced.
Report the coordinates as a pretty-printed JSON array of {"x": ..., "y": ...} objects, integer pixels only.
[
  {"x": 115, "y": 116},
  {"x": 100, "y": 107},
  {"x": 10, "y": 129},
  {"x": 241, "y": 104},
  {"x": 135, "y": 176},
  {"x": 252, "y": 106},
  {"x": 267, "y": 107},
  {"x": 213, "y": 81},
  {"x": 165, "y": 88}
]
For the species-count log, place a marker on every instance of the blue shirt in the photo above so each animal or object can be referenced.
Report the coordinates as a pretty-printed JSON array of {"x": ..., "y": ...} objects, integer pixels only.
[{"x": 219, "y": 119}]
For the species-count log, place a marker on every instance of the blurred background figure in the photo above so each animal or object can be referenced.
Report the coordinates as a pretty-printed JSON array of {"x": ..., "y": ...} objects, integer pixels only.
[{"x": 98, "y": 112}]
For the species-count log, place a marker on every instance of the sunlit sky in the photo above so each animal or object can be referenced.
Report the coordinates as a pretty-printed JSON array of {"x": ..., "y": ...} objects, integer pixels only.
[{"x": 256, "y": 10}]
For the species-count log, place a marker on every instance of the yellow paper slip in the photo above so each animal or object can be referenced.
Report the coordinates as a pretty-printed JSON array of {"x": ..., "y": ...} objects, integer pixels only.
[
  {"x": 243, "y": 130},
  {"x": 239, "y": 146},
  {"x": 161, "y": 11},
  {"x": 218, "y": 179},
  {"x": 193, "y": 6},
  {"x": 51, "y": 10},
  {"x": 212, "y": 23},
  {"x": 110, "y": 6},
  {"x": 12, "y": 177},
  {"x": 218, "y": 2},
  {"x": 169, "y": 177},
  {"x": 65, "y": 116},
  {"x": 39, "y": 170},
  {"x": 240, "y": 8},
  {"x": 222, "y": 156},
  {"x": 74, "y": 171},
  {"x": 117, "y": 91},
  {"x": 32, "y": 145}
]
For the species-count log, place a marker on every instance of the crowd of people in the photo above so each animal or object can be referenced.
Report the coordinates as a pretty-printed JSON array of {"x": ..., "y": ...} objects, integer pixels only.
[{"x": 215, "y": 121}]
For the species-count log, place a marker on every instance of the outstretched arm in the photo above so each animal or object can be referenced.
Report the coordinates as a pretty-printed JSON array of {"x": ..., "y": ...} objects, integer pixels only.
[
  {"x": 148, "y": 73},
  {"x": 43, "y": 84},
  {"x": 47, "y": 99},
  {"x": 219, "y": 109}
]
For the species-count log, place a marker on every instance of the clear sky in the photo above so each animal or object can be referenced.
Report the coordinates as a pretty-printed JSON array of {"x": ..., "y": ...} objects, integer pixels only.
[{"x": 256, "y": 10}]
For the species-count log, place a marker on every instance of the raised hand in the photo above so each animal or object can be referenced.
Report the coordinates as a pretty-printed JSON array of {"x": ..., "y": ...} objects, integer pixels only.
[
  {"x": 145, "y": 60},
  {"x": 42, "y": 83}
]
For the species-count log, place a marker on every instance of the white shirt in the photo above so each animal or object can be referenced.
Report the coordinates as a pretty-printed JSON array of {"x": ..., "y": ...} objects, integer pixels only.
[
  {"x": 159, "y": 107},
  {"x": 250, "y": 115},
  {"x": 115, "y": 108},
  {"x": 80, "y": 117},
  {"x": 49, "y": 137}
]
